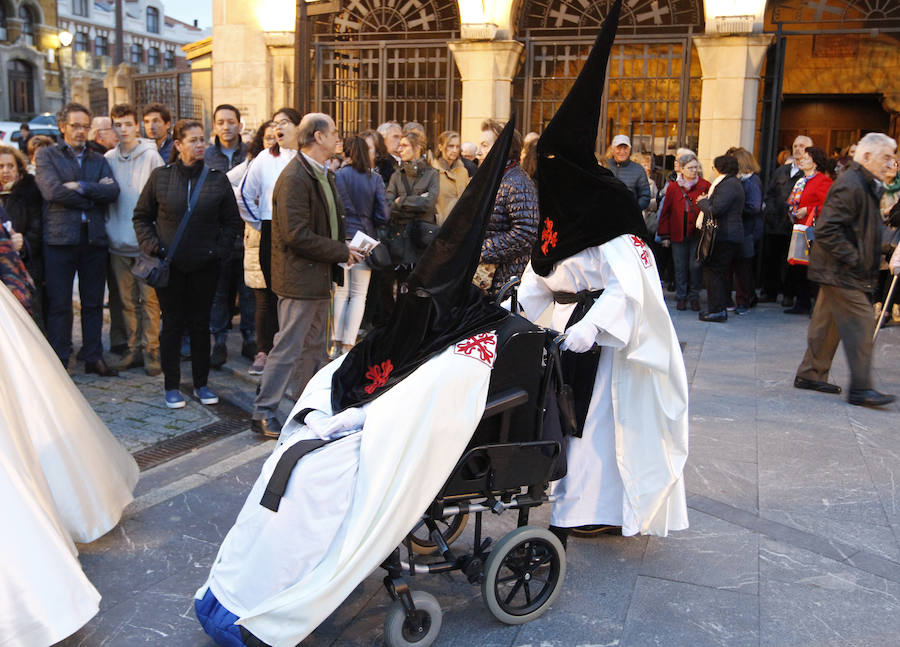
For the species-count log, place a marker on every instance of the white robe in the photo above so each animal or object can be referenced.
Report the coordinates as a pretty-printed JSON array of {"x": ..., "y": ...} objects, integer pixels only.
[
  {"x": 348, "y": 504},
  {"x": 90, "y": 474},
  {"x": 626, "y": 469},
  {"x": 44, "y": 594}
]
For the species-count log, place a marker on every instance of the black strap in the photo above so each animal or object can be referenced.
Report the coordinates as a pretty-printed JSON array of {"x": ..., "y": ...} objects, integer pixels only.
[
  {"x": 192, "y": 203},
  {"x": 580, "y": 369},
  {"x": 277, "y": 484},
  {"x": 565, "y": 298},
  {"x": 405, "y": 182}
]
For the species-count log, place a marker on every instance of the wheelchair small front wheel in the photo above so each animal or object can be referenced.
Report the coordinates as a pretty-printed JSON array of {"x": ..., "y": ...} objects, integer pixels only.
[
  {"x": 523, "y": 575},
  {"x": 400, "y": 631},
  {"x": 451, "y": 528}
]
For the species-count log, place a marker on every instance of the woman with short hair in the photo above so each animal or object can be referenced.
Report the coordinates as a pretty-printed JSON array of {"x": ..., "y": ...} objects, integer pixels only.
[
  {"x": 724, "y": 203},
  {"x": 208, "y": 238},
  {"x": 412, "y": 192}
]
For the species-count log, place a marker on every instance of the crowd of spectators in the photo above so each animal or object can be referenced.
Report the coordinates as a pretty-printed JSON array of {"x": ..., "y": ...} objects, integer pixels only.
[{"x": 116, "y": 187}]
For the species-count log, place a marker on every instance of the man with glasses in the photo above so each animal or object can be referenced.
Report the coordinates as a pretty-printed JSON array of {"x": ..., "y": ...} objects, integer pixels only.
[{"x": 77, "y": 185}]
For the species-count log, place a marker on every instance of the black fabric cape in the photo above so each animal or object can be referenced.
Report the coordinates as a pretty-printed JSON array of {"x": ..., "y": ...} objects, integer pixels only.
[
  {"x": 582, "y": 204},
  {"x": 438, "y": 306}
]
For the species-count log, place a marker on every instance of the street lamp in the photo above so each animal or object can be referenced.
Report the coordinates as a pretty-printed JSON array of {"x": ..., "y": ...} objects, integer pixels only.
[
  {"x": 65, "y": 39},
  {"x": 734, "y": 16}
]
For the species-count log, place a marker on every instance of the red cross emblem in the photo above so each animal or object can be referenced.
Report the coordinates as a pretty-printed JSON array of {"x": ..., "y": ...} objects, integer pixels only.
[
  {"x": 548, "y": 236},
  {"x": 378, "y": 375},
  {"x": 642, "y": 250},
  {"x": 482, "y": 347}
]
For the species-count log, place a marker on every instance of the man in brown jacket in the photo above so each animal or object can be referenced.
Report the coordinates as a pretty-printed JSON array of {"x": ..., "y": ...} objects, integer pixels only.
[
  {"x": 307, "y": 242},
  {"x": 844, "y": 261}
]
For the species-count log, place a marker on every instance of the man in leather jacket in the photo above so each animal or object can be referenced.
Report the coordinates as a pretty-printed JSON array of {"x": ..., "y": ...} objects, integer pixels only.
[{"x": 845, "y": 260}]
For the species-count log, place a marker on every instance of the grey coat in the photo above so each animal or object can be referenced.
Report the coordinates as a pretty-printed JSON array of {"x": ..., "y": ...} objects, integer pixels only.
[{"x": 634, "y": 177}]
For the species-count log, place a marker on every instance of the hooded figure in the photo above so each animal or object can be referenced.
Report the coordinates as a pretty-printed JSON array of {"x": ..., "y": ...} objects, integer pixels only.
[
  {"x": 623, "y": 360},
  {"x": 368, "y": 445}
]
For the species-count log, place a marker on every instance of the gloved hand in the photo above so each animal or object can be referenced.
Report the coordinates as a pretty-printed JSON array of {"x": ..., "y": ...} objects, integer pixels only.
[
  {"x": 341, "y": 424},
  {"x": 580, "y": 338},
  {"x": 895, "y": 261}
]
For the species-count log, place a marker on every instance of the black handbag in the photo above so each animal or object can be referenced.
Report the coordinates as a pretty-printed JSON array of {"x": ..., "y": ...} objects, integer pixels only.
[
  {"x": 423, "y": 233},
  {"x": 379, "y": 258},
  {"x": 155, "y": 271},
  {"x": 707, "y": 238}
]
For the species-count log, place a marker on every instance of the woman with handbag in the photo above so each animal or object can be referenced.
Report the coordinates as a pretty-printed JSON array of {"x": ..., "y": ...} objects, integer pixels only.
[
  {"x": 723, "y": 205},
  {"x": 805, "y": 202},
  {"x": 362, "y": 193},
  {"x": 677, "y": 229},
  {"x": 411, "y": 197},
  {"x": 187, "y": 215}
]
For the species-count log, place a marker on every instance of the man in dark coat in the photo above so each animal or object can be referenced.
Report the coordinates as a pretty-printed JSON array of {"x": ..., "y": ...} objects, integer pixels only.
[
  {"x": 76, "y": 184},
  {"x": 778, "y": 226},
  {"x": 307, "y": 243},
  {"x": 845, "y": 260}
]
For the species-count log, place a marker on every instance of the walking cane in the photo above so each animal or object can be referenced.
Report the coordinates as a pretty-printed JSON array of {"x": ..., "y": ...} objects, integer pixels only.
[{"x": 886, "y": 308}]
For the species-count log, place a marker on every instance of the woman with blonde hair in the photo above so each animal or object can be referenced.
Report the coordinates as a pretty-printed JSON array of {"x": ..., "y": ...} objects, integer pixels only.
[{"x": 453, "y": 175}]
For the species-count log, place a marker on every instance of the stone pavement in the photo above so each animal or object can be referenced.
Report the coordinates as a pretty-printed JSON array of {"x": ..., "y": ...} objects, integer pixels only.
[{"x": 794, "y": 503}]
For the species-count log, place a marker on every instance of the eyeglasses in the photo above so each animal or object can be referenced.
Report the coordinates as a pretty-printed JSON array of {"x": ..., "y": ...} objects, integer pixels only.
[
  {"x": 79, "y": 126},
  {"x": 281, "y": 122},
  {"x": 692, "y": 167}
]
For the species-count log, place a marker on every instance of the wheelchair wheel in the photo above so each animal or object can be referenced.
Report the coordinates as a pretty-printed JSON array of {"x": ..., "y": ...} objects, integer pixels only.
[
  {"x": 400, "y": 632},
  {"x": 450, "y": 528},
  {"x": 523, "y": 575}
]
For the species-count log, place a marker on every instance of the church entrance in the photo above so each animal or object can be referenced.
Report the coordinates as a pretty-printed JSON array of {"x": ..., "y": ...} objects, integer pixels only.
[{"x": 832, "y": 121}]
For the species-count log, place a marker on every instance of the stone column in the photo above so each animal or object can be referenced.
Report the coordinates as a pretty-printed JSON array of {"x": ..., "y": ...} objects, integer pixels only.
[
  {"x": 487, "y": 69},
  {"x": 731, "y": 72},
  {"x": 118, "y": 84},
  {"x": 239, "y": 70}
]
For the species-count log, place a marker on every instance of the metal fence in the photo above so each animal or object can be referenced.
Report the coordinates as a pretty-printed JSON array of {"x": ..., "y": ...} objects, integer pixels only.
[
  {"x": 364, "y": 84},
  {"x": 172, "y": 89},
  {"x": 652, "y": 91}
]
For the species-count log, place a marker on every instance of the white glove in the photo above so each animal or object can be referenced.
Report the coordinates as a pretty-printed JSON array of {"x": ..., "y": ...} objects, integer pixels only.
[
  {"x": 895, "y": 261},
  {"x": 580, "y": 338},
  {"x": 331, "y": 427}
]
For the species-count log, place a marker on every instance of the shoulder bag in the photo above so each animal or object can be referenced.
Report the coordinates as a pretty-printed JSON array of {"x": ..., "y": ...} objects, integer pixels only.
[
  {"x": 155, "y": 271},
  {"x": 708, "y": 230}
]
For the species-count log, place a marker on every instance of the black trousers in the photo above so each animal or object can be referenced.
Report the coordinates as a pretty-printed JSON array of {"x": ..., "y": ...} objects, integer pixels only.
[
  {"x": 774, "y": 264},
  {"x": 717, "y": 274},
  {"x": 266, "y": 319},
  {"x": 62, "y": 262},
  {"x": 186, "y": 304}
]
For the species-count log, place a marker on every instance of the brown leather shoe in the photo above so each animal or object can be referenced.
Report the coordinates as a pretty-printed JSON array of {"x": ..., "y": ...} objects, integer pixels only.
[
  {"x": 100, "y": 368},
  {"x": 268, "y": 427},
  {"x": 151, "y": 364},
  {"x": 695, "y": 305},
  {"x": 681, "y": 305}
]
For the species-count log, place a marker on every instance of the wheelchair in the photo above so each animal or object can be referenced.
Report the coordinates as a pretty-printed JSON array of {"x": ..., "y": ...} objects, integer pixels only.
[{"x": 516, "y": 450}]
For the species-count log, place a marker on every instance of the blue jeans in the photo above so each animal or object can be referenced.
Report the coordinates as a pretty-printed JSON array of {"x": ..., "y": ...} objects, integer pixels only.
[
  {"x": 688, "y": 274},
  {"x": 231, "y": 280}
]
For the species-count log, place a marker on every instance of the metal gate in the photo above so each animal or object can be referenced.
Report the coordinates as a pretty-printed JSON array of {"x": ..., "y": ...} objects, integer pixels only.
[
  {"x": 364, "y": 84},
  {"x": 99, "y": 98},
  {"x": 652, "y": 91},
  {"x": 172, "y": 89}
]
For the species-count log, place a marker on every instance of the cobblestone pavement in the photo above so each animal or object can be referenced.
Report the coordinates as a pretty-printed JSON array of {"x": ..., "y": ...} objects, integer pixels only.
[{"x": 794, "y": 502}]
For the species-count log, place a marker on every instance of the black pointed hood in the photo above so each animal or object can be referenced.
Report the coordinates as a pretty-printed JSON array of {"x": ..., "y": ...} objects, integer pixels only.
[
  {"x": 438, "y": 305},
  {"x": 582, "y": 204}
]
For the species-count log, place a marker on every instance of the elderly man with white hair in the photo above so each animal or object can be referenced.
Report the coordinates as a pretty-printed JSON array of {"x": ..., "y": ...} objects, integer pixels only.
[{"x": 845, "y": 260}]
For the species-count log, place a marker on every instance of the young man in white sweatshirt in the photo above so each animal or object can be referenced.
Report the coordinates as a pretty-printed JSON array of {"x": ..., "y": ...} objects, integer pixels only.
[{"x": 132, "y": 162}]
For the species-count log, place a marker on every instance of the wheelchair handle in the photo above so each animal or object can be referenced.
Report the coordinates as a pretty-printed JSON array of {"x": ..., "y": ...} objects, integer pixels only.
[{"x": 508, "y": 287}]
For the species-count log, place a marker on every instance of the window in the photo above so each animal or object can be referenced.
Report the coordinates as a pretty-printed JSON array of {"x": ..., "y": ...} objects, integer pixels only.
[
  {"x": 153, "y": 20},
  {"x": 101, "y": 46},
  {"x": 27, "y": 25},
  {"x": 2, "y": 22},
  {"x": 153, "y": 57},
  {"x": 137, "y": 54},
  {"x": 82, "y": 42},
  {"x": 80, "y": 7},
  {"x": 170, "y": 59},
  {"x": 20, "y": 77}
]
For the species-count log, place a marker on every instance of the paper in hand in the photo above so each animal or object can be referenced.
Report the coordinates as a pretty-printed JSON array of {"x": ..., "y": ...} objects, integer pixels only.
[{"x": 361, "y": 243}]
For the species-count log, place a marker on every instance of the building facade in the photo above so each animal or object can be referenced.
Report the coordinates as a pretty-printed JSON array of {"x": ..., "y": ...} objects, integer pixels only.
[
  {"x": 706, "y": 74},
  {"x": 28, "y": 42}
]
